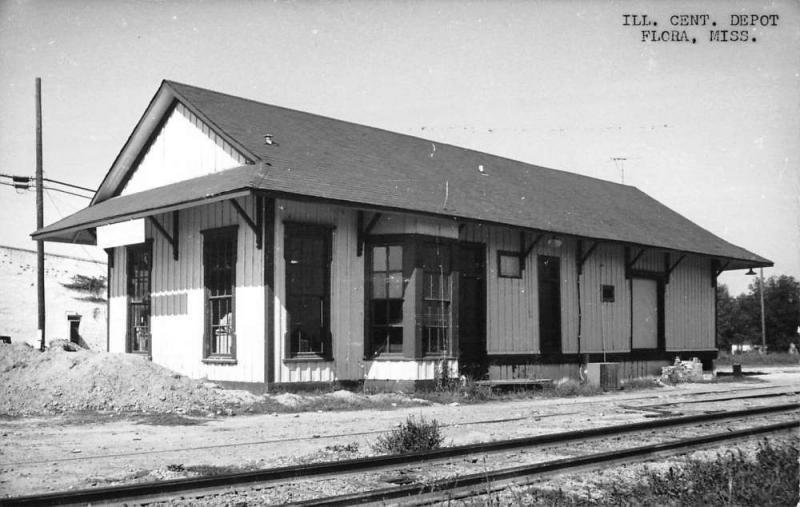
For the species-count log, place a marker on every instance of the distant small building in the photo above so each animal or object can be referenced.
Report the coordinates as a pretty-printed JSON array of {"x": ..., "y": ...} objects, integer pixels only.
[
  {"x": 253, "y": 243},
  {"x": 73, "y": 310},
  {"x": 739, "y": 348}
]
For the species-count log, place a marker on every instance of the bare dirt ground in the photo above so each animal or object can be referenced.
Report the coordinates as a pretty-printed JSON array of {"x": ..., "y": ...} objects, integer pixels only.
[{"x": 80, "y": 447}]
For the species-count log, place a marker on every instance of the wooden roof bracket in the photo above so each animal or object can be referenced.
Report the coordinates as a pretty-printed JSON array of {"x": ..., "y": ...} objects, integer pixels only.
[
  {"x": 670, "y": 268},
  {"x": 171, "y": 238},
  {"x": 363, "y": 232},
  {"x": 629, "y": 263},
  {"x": 583, "y": 257},
  {"x": 523, "y": 251},
  {"x": 256, "y": 228},
  {"x": 717, "y": 268}
]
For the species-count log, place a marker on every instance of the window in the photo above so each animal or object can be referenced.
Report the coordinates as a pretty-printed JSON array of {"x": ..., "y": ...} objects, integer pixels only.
[
  {"x": 307, "y": 253},
  {"x": 387, "y": 288},
  {"x": 509, "y": 265},
  {"x": 219, "y": 262},
  {"x": 608, "y": 293},
  {"x": 437, "y": 297},
  {"x": 140, "y": 265}
]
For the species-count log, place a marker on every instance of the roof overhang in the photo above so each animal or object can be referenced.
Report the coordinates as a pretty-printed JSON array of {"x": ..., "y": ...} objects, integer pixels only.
[
  {"x": 79, "y": 227},
  {"x": 248, "y": 179}
]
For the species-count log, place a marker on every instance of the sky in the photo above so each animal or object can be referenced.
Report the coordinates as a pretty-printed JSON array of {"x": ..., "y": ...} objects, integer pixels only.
[{"x": 711, "y": 129}]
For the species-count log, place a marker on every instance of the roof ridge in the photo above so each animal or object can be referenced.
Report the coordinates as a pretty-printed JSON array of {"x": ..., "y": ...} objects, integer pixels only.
[{"x": 361, "y": 125}]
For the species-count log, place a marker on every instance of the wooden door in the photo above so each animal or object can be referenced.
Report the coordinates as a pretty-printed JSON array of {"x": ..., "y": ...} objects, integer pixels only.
[
  {"x": 140, "y": 265},
  {"x": 549, "y": 274},
  {"x": 644, "y": 313},
  {"x": 472, "y": 310}
]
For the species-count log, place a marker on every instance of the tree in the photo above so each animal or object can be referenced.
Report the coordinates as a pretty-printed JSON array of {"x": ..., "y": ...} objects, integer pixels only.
[
  {"x": 735, "y": 320},
  {"x": 781, "y": 310},
  {"x": 739, "y": 318}
]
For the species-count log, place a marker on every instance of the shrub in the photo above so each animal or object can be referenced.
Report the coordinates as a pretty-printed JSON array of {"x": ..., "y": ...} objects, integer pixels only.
[
  {"x": 732, "y": 479},
  {"x": 412, "y": 436}
]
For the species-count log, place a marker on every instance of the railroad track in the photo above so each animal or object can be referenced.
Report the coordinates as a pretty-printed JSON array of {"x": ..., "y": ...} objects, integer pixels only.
[
  {"x": 465, "y": 486},
  {"x": 164, "y": 490},
  {"x": 646, "y": 407}
]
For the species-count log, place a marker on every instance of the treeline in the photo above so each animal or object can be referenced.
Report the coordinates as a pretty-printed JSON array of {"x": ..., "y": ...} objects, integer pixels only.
[{"x": 739, "y": 317}]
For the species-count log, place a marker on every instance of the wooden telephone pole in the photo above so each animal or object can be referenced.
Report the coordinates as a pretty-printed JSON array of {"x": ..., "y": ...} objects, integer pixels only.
[{"x": 39, "y": 213}]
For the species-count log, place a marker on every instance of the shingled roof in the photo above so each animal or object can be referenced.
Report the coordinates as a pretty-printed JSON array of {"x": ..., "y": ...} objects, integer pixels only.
[{"x": 319, "y": 157}]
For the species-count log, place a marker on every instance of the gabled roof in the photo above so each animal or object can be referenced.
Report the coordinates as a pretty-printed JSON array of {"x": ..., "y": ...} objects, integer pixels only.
[{"x": 330, "y": 159}]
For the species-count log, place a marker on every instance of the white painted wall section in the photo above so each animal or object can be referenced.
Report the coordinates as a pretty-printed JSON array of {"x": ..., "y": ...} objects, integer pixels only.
[{"x": 184, "y": 148}]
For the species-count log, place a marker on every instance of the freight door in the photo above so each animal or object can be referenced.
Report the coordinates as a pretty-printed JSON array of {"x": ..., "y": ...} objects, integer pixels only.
[{"x": 644, "y": 313}]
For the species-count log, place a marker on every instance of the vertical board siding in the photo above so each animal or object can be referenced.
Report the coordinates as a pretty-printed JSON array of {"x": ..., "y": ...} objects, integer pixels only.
[
  {"x": 689, "y": 306},
  {"x": 605, "y": 326},
  {"x": 347, "y": 296},
  {"x": 184, "y": 148},
  {"x": 512, "y": 313},
  {"x": 178, "y": 321},
  {"x": 118, "y": 302}
]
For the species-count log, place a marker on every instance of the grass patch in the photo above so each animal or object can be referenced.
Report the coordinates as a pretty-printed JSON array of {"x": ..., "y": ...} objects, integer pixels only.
[
  {"x": 754, "y": 358},
  {"x": 412, "y": 436},
  {"x": 732, "y": 478}
]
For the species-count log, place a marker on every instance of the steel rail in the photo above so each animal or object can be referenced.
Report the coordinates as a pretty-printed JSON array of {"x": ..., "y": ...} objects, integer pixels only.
[
  {"x": 177, "y": 486},
  {"x": 728, "y": 398},
  {"x": 439, "y": 490}
]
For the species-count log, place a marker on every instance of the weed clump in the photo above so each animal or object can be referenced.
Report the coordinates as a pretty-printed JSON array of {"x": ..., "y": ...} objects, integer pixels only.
[
  {"x": 412, "y": 436},
  {"x": 570, "y": 387}
]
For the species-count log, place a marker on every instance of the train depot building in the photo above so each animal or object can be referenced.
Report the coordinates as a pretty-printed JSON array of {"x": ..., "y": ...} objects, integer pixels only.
[{"x": 249, "y": 243}]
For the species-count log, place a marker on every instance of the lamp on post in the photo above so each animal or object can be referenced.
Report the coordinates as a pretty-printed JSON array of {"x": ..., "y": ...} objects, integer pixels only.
[{"x": 761, "y": 296}]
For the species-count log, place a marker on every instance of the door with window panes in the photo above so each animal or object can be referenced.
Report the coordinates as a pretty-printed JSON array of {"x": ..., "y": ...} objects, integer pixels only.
[{"x": 140, "y": 264}]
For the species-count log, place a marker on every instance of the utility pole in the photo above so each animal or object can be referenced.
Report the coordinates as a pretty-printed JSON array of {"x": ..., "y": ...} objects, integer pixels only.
[
  {"x": 39, "y": 213},
  {"x": 763, "y": 324}
]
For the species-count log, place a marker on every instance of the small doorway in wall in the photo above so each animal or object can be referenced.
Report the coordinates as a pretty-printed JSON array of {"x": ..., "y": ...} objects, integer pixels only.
[
  {"x": 472, "y": 310},
  {"x": 549, "y": 276},
  {"x": 140, "y": 267},
  {"x": 647, "y": 310}
]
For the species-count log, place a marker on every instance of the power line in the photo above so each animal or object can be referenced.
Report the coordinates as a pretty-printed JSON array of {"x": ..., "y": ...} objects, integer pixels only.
[
  {"x": 69, "y": 185},
  {"x": 24, "y": 181},
  {"x": 66, "y": 192}
]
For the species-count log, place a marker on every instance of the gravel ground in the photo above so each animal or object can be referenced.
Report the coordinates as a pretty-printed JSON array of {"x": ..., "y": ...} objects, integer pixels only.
[{"x": 74, "y": 449}]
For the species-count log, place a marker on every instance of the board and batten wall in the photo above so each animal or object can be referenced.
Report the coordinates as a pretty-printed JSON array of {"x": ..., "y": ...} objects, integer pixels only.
[
  {"x": 177, "y": 296},
  {"x": 689, "y": 306},
  {"x": 512, "y": 303},
  {"x": 184, "y": 148}
]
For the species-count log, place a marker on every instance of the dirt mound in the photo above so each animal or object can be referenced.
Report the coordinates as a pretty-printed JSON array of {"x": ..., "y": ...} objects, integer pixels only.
[{"x": 61, "y": 381}]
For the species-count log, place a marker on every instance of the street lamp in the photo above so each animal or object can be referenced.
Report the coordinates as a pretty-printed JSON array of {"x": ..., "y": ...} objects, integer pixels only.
[{"x": 761, "y": 294}]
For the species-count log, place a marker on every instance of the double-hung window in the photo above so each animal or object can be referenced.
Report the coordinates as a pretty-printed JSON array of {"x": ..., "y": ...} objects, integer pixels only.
[
  {"x": 307, "y": 254},
  {"x": 219, "y": 262},
  {"x": 437, "y": 298},
  {"x": 386, "y": 295}
]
